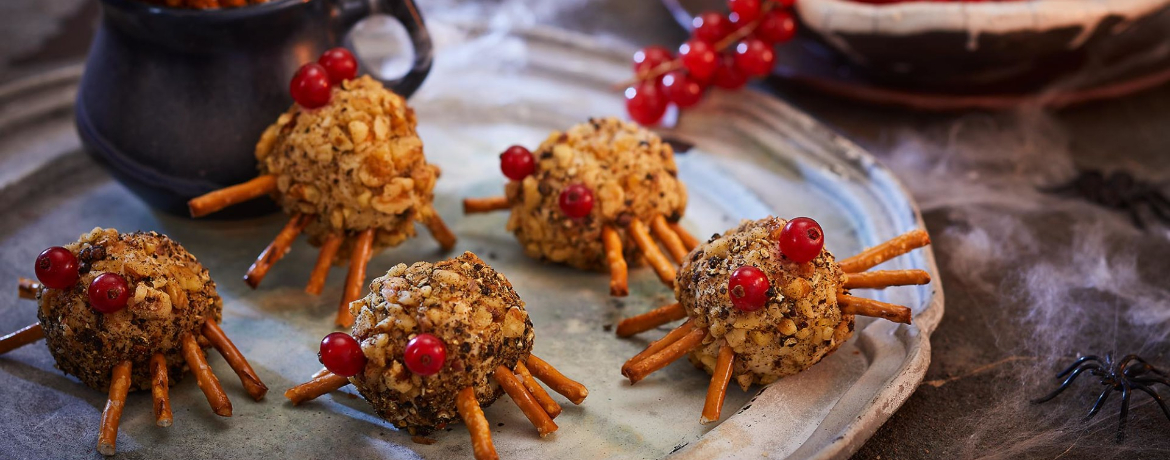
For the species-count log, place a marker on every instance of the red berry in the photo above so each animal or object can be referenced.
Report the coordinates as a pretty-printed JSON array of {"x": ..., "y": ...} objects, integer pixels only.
[
  {"x": 650, "y": 57},
  {"x": 517, "y": 163},
  {"x": 700, "y": 58},
  {"x": 310, "y": 86},
  {"x": 108, "y": 293},
  {"x": 340, "y": 64},
  {"x": 681, "y": 89},
  {"x": 576, "y": 201},
  {"x": 785, "y": 3},
  {"x": 710, "y": 27},
  {"x": 801, "y": 239},
  {"x": 727, "y": 75},
  {"x": 755, "y": 57},
  {"x": 645, "y": 102},
  {"x": 56, "y": 268},
  {"x": 425, "y": 354},
  {"x": 342, "y": 354},
  {"x": 747, "y": 10},
  {"x": 748, "y": 288},
  {"x": 776, "y": 27}
]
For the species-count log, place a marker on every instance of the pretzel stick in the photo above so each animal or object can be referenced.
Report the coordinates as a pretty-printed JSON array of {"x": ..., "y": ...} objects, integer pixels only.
[
  {"x": 324, "y": 262},
  {"x": 868, "y": 307},
  {"x": 528, "y": 405},
  {"x": 276, "y": 249},
  {"x": 320, "y": 372},
  {"x": 882, "y": 279},
  {"x": 160, "y": 388},
  {"x": 650, "y": 320},
  {"x": 717, "y": 392},
  {"x": 618, "y": 272},
  {"x": 650, "y": 250},
  {"x": 28, "y": 289},
  {"x": 669, "y": 238},
  {"x": 119, "y": 386},
  {"x": 550, "y": 406},
  {"x": 689, "y": 241},
  {"x": 235, "y": 359},
  {"x": 478, "y": 205},
  {"x": 576, "y": 392},
  {"x": 205, "y": 378},
  {"x": 313, "y": 389},
  {"x": 227, "y": 196},
  {"x": 658, "y": 345},
  {"x": 439, "y": 231},
  {"x": 362, "y": 249},
  {"x": 668, "y": 355},
  {"x": 895, "y": 247},
  {"x": 477, "y": 424},
  {"x": 24, "y": 336}
]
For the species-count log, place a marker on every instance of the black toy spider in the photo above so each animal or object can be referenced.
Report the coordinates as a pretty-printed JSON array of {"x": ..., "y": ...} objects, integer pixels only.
[
  {"x": 1120, "y": 191},
  {"x": 1128, "y": 374}
]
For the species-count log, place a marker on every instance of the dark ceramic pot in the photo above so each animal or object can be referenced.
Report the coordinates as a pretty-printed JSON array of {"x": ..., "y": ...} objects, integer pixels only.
[{"x": 173, "y": 100}]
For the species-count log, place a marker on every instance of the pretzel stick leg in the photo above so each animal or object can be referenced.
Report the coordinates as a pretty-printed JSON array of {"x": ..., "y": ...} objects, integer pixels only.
[
  {"x": 235, "y": 359},
  {"x": 362, "y": 250},
  {"x": 717, "y": 392},
  {"x": 439, "y": 230},
  {"x": 227, "y": 196},
  {"x": 205, "y": 378},
  {"x": 568, "y": 388},
  {"x": 659, "y": 360},
  {"x": 895, "y": 247},
  {"x": 479, "y": 205},
  {"x": 477, "y": 424},
  {"x": 658, "y": 345},
  {"x": 669, "y": 239},
  {"x": 24, "y": 336},
  {"x": 324, "y": 262},
  {"x": 528, "y": 405},
  {"x": 28, "y": 289},
  {"x": 650, "y": 320},
  {"x": 618, "y": 272},
  {"x": 119, "y": 386},
  {"x": 276, "y": 249},
  {"x": 882, "y": 279},
  {"x": 689, "y": 241},
  {"x": 313, "y": 389},
  {"x": 650, "y": 250},
  {"x": 868, "y": 307},
  {"x": 550, "y": 406},
  {"x": 160, "y": 388}
]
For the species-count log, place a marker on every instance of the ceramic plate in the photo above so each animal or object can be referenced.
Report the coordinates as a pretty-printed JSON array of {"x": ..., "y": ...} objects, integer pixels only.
[{"x": 752, "y": 156}]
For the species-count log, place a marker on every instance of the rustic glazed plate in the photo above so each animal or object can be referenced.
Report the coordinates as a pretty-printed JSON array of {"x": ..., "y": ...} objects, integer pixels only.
[{"x": 752, "y": 156}]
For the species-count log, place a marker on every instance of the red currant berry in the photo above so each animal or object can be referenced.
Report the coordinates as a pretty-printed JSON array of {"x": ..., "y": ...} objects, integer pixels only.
[
  {"x": 310, "y": 86},
  {"x": 681, "y": 89},
  {"x": 56, "y": 268},
  {"x": 108, "y": 293},
  {"x": 425, "y": 354},
  {"x": 517, "y": 163},
  {"x": 747, "y": 10},
  {"x": 650, "y": 57},
  {"x": 755, "y": 57},
  {"x": 700, "y": 58},
  {"x": 342, "y": 354},
  {"x": 340, "y": 64},
  {"x": 776, "y": 27},
  {"x": 710, "y": 27},
  {"x": 801, "y": 240},
  {"x": 576, "y": 201},
  {"x": 748, "y": 288},
  {"x": 727, "y": 76},
  {"x": 785, "y": 3},
  {"x": 645, "y": 102}
]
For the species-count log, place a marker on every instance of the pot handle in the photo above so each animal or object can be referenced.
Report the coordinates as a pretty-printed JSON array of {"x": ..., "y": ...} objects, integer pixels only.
[{"x": 407, "y": 14}]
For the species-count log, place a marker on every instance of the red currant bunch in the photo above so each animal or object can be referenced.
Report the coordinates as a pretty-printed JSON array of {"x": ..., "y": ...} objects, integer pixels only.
[
  {"x": 313, "y": 83},
  {"x": 724, "y": 51}
]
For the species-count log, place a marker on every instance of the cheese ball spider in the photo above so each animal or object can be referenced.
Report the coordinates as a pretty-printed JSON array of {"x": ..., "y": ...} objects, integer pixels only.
[
  {"x": 130, "y": 311},
  {"x": 765, "y": 300},
  {"x": 349, "y": 168},
  {"x": 1125, "y": 375},
  {"x": 433, "y": 343},
  {"x": 590, "y": 195}
]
